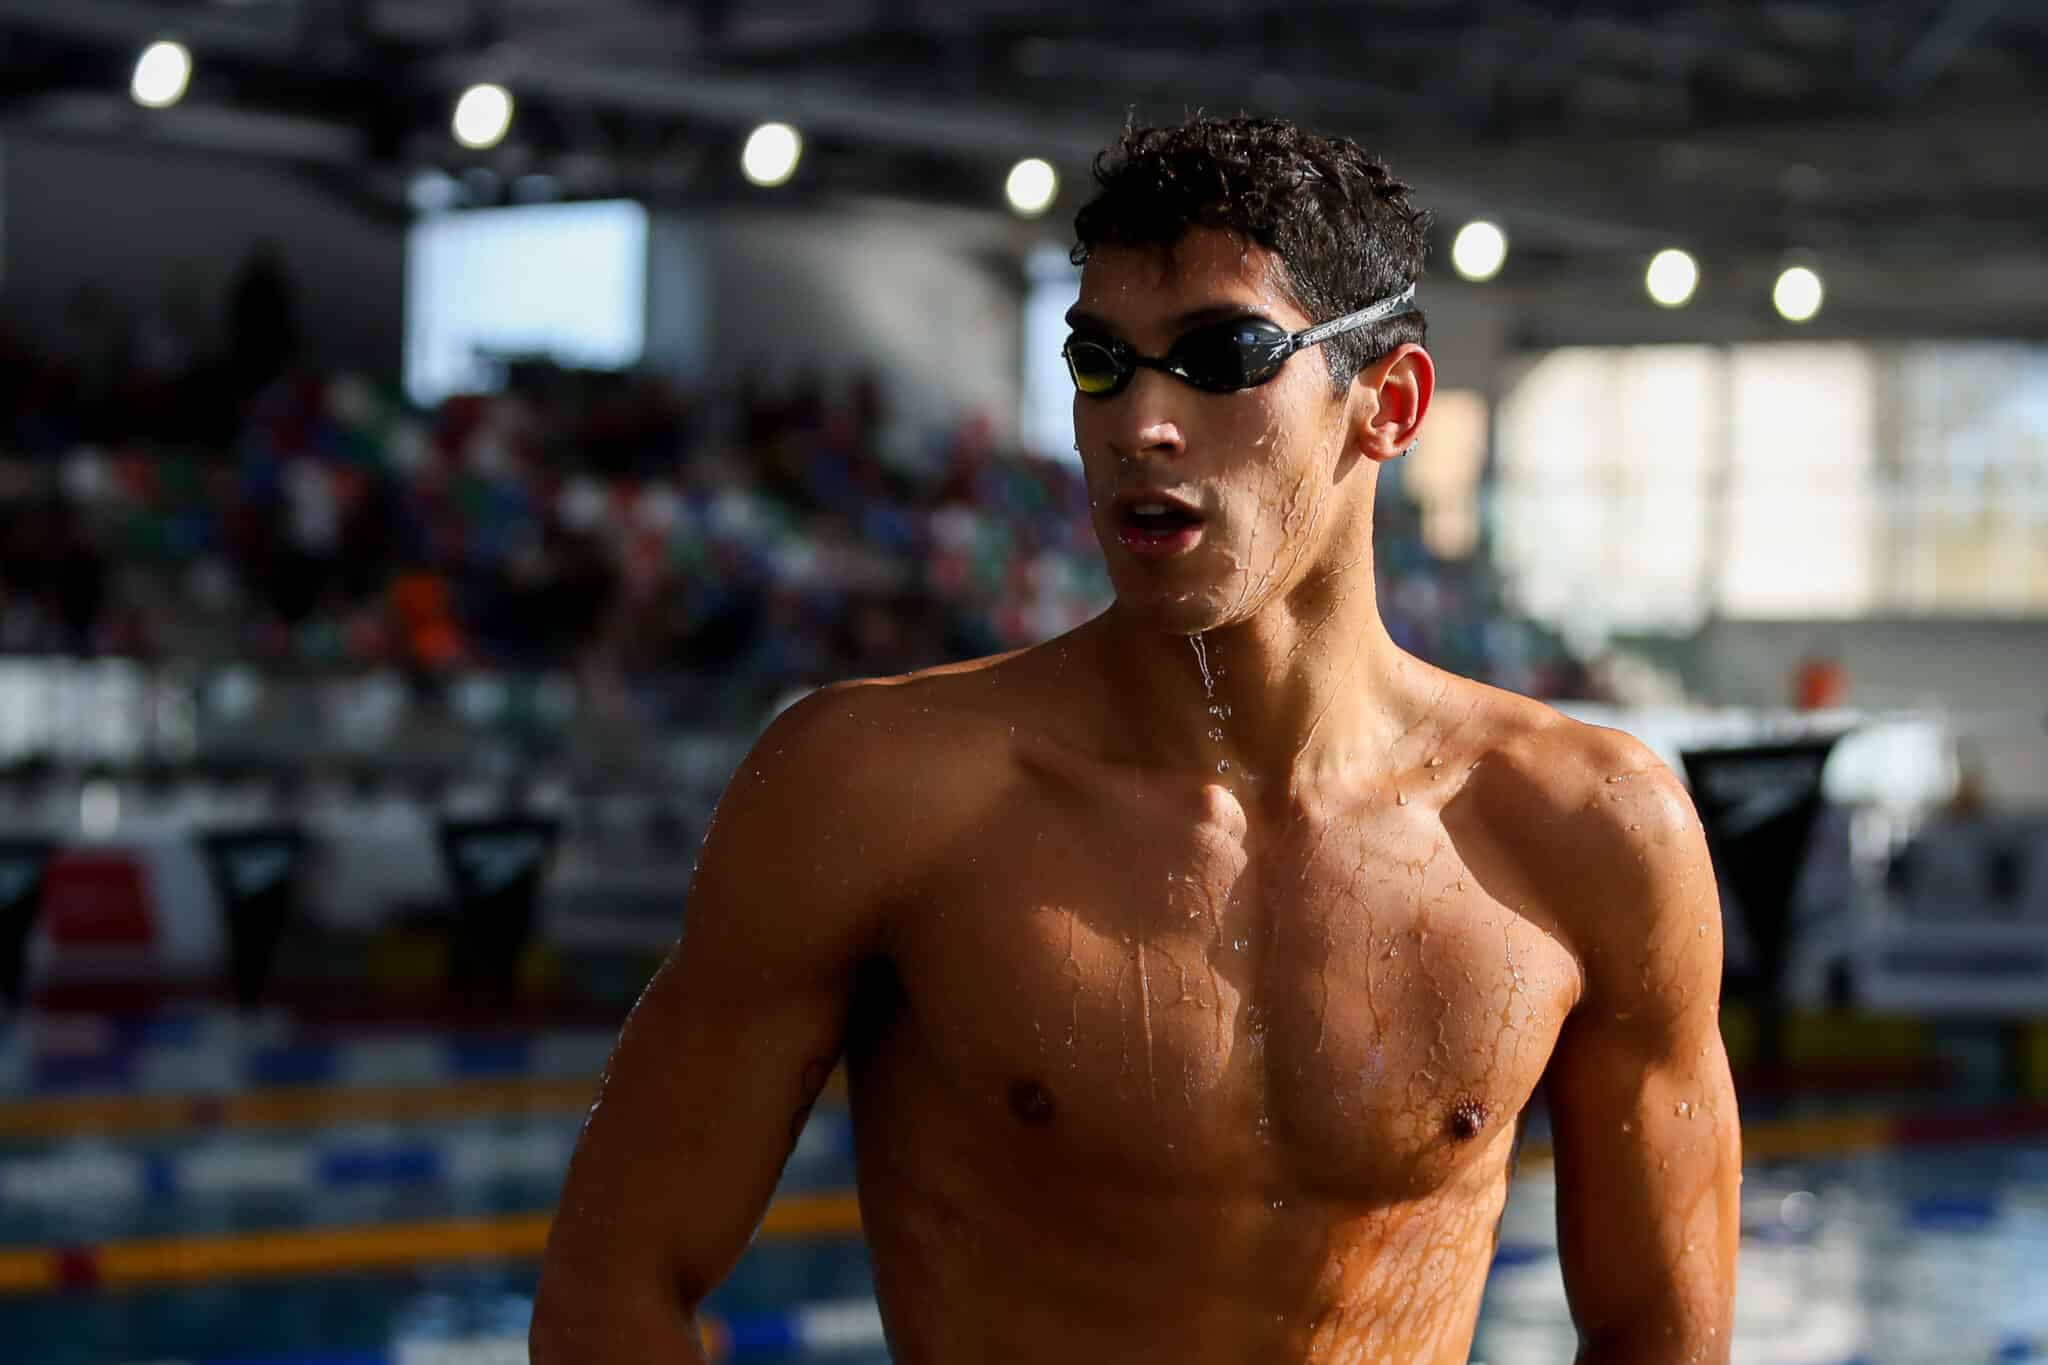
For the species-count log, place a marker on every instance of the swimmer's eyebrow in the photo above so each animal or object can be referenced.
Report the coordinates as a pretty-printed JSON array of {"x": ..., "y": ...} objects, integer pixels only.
[{"x": 1083, "y": 321}]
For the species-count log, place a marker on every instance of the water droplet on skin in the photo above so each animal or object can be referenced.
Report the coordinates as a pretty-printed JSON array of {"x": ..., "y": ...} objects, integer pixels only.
[
  {"x": 1627, "y": 1127},
  {"x": 1202, "y": 662},
  {"x": 1216, "y": 735},
  {"x": 1401, "y": 799},
  {"x": 1436, "y": 763},
  {"x": 1222, "y": 765},
  {"x": 1612, "y": 780},
  {"x": 1240, "y": 944},
  {"x": 1279, "y": 1204},
  {"x": 1703, "y": 931},
  {"x": 1683, "y": 1110}
]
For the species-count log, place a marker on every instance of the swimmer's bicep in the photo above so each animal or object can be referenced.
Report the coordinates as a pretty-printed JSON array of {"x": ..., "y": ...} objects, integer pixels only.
[
  {"x": 697, "y": 1112},
  {"x": 1642, "y": 1109},
  {"x": 719, "y": 1062},
  {"x": 701, "y": 1103},
  {"x": 1647, "y": 1154}
]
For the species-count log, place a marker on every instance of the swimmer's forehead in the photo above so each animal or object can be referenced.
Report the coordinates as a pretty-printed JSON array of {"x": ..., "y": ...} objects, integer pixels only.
[{"x": 1161, "y": 289}]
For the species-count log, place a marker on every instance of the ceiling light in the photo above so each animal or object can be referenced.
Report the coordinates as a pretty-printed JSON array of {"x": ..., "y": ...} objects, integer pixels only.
[
  {"x": 483, "y": 116},
  {"x": 771, "y": 154},
  {"x": 1479, "y": 250},
  {"x": 1797, "y": 295},
  {"x": 1032, "y": 186},
  {"x": 161, "y": 74},
  {"x": 1672, "y": 276}
]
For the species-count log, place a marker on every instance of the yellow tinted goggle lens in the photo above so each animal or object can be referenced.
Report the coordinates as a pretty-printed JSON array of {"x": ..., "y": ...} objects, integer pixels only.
[{"x": 1093, "y": 367}]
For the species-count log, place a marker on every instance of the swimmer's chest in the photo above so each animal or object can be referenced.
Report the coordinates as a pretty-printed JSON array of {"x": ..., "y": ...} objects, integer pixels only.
[{"x": 1177, "y": 994}]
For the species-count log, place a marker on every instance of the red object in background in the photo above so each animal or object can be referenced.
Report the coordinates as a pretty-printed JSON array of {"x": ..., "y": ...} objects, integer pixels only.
[
  {"x": 135, "y": 472},
  {"x": 625, "y": 499},
  {"x": 369, "y": 639},
  {"x": 97, "y": 900},
  {"x": 1819, "y": 683}
]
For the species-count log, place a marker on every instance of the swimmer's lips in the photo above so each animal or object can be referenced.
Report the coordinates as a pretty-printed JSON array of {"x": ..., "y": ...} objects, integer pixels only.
[{"x": 1165, "y": 526}]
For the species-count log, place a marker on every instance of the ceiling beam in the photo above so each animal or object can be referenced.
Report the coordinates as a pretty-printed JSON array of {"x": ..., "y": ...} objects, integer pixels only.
[
  {"x": 1953, "y": 29},
  {"x": 239, "y": 31}
]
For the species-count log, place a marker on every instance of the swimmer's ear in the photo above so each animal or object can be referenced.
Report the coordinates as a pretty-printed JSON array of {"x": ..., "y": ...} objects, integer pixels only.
[{"x": 1389, "y": 399}]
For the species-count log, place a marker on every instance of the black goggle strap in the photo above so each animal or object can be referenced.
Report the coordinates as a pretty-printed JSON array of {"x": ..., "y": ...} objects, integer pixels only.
[{"x": 1391, "y": 307}]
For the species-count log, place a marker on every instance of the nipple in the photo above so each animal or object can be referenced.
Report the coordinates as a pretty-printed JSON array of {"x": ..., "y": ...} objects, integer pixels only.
[
  {"x": 1031, "y": 1102},
  {"x": 1467, "y": 1118}
]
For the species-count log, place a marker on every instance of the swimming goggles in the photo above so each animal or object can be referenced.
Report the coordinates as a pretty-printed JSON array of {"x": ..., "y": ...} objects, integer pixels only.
[{"x": 1216, "y": 357}]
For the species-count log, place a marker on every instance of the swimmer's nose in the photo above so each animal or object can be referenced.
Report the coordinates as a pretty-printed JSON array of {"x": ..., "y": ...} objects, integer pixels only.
[
  {"x": 1160, "y": 438},
  {"x": 1144, "y": 431}
]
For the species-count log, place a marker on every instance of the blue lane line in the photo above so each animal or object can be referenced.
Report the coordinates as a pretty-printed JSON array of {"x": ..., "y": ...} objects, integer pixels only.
[
  {"x": 79, "y": 1073},
  {"x": 167, "y": 1176},
  {"x": 159, "y": 1178},
  {"x": 1952, "y": 1213},
  {"x": 294, "y": 1064},
  {"x": 1510, "y": 1255},
  {"x": 768, "y": 1334},
  {"x": 416, "y": 1163},
  {"x": 478, "y": 1058},
  {"x": 133, "y": 1049},
  {"x": 155, "y": 1030}
]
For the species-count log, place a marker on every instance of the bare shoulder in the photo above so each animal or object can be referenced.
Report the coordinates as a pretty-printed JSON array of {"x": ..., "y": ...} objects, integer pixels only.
[
  {"x": 882, "y": 768},
  {"x": 1605, "y": 830},
  {"x": 1593, "y": 783}
]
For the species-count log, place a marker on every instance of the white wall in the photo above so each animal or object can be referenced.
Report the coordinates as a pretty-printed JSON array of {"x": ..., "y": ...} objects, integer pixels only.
[
  {"x": 1468, "y": 331},
  {"x": 1990, "y": 675},
  {"x": 137, "y": 220},
  {"x": 869, "y": 287}
]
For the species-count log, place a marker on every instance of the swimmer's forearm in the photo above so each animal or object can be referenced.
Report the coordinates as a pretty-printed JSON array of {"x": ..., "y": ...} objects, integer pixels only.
[
  {"x": 683, "y": 1351},
  {"x": 602, "y": 1331},
  {"x": 1670, "y": 1345}
]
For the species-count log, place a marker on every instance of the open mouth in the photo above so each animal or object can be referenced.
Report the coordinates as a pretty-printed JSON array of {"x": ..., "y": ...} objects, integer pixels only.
[
  {"x": 1158, "y": 518},
  {"x": 1153, "y": 527}
]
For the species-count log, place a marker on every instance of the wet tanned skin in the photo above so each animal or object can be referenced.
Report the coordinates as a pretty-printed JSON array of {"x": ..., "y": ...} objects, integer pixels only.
[{"x": 1190, "y": 996}]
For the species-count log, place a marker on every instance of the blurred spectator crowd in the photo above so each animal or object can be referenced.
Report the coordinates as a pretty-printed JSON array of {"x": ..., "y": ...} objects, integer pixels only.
[{"x": 719, "y": 547}]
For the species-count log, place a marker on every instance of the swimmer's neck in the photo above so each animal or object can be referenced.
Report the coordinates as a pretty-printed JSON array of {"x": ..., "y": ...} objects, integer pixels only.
[{"x": 1309, "y": 693}]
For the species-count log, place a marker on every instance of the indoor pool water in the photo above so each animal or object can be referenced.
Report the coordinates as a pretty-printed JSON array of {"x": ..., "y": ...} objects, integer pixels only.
[{"x": 1895, "y": 1257}]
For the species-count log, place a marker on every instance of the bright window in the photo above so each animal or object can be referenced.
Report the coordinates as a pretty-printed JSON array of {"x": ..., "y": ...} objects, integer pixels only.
[
  {"x": 1047, "y": 421},
  {"x": 1644, "y": 487},
  {"x": 566, "y": 281}
]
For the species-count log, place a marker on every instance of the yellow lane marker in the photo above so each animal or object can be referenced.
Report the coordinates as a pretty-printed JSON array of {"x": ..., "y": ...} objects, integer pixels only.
[
  {"x": 125, "y": 1114},
  {"x": 382, "y": 1247}
]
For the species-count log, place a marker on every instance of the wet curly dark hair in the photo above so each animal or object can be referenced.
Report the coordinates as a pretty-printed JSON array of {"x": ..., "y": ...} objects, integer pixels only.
[{"x": 1339, "y": 222}]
